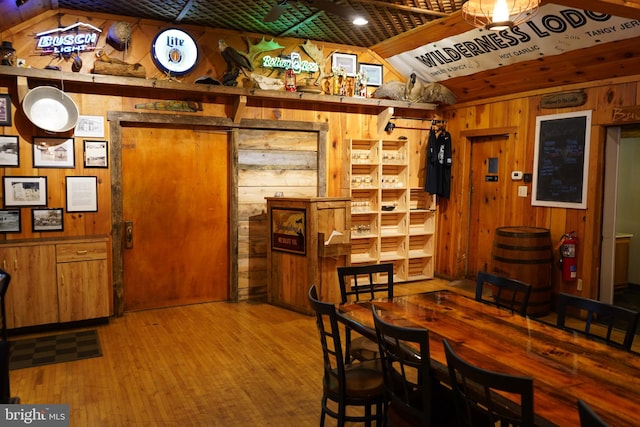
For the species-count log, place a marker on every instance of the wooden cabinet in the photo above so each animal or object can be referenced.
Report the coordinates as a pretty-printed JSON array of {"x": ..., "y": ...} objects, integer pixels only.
[
  {"x": 298, "y": 253},
  {"x": 390, "y": 220},
  {"x": 57, "y": 280}
]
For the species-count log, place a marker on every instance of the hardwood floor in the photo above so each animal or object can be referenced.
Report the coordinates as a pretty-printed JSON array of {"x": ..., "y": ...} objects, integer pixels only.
[{"x": 216, "y": 364}]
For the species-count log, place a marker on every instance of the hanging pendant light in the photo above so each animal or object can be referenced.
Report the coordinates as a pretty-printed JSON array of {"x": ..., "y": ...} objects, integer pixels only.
[{"x": 499, "y": 15}]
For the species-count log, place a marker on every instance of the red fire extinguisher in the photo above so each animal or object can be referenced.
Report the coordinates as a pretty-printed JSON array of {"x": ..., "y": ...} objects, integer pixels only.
[{"x": 568, "y": 260}]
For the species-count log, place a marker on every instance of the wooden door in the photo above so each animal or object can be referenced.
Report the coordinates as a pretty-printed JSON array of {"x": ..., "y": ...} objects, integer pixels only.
[
  {"x": 175, "y": 193},
  {"x": 489, "y": 177}
]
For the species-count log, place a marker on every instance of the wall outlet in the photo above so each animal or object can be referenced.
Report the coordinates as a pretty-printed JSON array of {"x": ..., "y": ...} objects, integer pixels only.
[{"x": 579, "y": 284}]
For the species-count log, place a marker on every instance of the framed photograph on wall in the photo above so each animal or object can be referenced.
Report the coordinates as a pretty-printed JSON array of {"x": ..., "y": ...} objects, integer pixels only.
[
  {"x": 53, "y": 152},
  {"x": 96, "y": 154},
  {"x": 5, "y": 110},
  {"x": 90, "y": 127},
  {"x": 47, "y": 219},
  {"x": 288, "y": 230},
  {"x": 10, "y": 221},
  {"x": 345, "y": 61},
  {"x": 82, "y": 194},
  {"x": 373, "y": 73},
  {"x": 561, "y": 160},
  {"x": 9, "y": 152},
  {"x": 24, "y": 191}
]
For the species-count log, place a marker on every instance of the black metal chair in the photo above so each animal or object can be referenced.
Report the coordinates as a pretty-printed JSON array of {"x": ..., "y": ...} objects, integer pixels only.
[
  {"x": 601, "y": 320},
  {"x": 414, "y": 396},
  {"x": 588, "y": 418},
  {"x": 357, "y": 384},
  {"x": 477, "y": 400},
  {"x": 364, "y": 283},
  {"x": 505, "y": 292}
]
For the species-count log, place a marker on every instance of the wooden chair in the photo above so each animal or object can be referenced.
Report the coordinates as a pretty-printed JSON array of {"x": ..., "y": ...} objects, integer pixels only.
[
  {"x": 414, "y": 397},
  {"x": 364, "y": 283},
  {"x": 588, "y": 418},
  {"x": 358, "y": 384},
  {"x": 476, "y": 398},
  {"x": 601, "y": 315},
  {"x": 506, "y": 293}
]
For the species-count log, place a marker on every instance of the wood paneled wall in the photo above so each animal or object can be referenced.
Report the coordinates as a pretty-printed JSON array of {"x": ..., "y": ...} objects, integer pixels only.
[{"x": 518, "y": 113}]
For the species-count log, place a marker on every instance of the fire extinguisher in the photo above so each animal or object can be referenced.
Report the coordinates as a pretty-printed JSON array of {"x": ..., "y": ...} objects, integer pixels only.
[{"x": 568, "y": 260}]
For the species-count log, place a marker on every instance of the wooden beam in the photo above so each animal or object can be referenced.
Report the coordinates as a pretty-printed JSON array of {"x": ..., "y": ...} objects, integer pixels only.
[
  {"x": 239, "y": 107},
  {"x": 383, "y": 119}
]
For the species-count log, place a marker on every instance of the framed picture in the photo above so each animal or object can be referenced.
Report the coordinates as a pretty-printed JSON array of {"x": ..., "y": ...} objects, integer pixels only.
[
  {"x": 90, "y": 127},
  {"x": 10, "y": 221},
  {"x": 561, "y": 160},
  {"x": 47, "y": 219},
  {"x": 24, "y": 191},
  {"x": 288, "y": 230},
  {"x": 82, "y": 194},
  {"x": 96, "y": 154},
  {"x": 345, "y": 61},
  {"x": 373, "y": 73},
  {"x": 53, "y": 152},
  {"x": 5, "y": 110},
  {"x": 9, "y": 153}
]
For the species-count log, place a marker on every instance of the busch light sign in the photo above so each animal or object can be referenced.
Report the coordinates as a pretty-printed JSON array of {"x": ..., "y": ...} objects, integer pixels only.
[{"x": 75, "y": 38}]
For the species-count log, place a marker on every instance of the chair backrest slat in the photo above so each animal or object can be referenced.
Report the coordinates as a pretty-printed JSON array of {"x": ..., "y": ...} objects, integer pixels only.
[
  {"x": 505, "y": 292},
  {"x": 600, "y": 316},
  {"x": 379, "y": 285}
]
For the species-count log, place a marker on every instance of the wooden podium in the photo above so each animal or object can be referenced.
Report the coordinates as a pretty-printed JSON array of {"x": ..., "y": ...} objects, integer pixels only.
[{"x": 302, "y": 250}]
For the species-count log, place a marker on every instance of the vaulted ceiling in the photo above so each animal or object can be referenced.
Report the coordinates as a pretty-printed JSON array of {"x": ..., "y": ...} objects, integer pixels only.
[{"x": 395, "y": 26}]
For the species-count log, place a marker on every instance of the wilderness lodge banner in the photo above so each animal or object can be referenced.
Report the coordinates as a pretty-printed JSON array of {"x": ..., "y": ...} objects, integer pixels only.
[{"x": 554, "y": 30}]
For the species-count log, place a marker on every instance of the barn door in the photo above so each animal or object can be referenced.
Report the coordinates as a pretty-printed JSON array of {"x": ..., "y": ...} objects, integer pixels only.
[
  {"x": 489, "y": 177},
  {"x": 175, "y": 208}
]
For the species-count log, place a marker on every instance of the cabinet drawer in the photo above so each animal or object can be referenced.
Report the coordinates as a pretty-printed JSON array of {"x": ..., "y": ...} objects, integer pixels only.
[{"x": 69, "y": 252}]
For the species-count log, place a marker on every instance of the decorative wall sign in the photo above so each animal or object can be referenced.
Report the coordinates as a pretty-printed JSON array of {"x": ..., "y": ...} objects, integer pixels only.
[
  {"x": 563, "y": 99},
  {"x": 561, "y": 160},
  {"x": 288, "y": 230},
  {"x": 78, "y": 37},
  {"x": 175, "y": 52}
]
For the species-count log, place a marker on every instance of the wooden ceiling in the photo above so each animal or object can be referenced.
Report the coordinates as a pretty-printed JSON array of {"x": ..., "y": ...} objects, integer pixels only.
[{"x": 398, "y": 27}]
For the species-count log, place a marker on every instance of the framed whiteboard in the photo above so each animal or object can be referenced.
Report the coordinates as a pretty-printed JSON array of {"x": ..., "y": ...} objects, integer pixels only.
[{"x": 561, "y": 160}]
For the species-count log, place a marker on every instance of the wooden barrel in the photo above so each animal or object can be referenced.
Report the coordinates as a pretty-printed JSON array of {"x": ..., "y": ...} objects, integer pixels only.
[{"x": 526, "y": 254}]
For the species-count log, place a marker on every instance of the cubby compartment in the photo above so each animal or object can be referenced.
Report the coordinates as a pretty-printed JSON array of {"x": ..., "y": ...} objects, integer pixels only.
[
  {"x": 420, "y": 268},
  {"x": 394, "y": 176},
  {"x": 364, "y": 176},
  {"x": 422, "y": 222},
  {"x": 364, "y": 250},
  {"x": 393, "y": 224},
  {"x": 421, "y": 200},
  {"x": 392, "y": 248},
  {"x": 421, "y": 245},
  {"x": 364, "y": 226},
  {"x": 394, "y": 152},
  {"x": 365, "y": 151},
  {"x": 393, "y": 201},
  {"x": 364, "y": 202}
]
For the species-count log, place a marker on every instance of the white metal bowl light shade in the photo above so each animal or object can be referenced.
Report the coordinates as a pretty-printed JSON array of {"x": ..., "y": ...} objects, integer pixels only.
[
  {"x": 499, "y": 14},
  {"x": 50, "y": 109}
]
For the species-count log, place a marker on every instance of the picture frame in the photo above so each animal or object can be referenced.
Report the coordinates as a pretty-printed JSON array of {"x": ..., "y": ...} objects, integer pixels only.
[
  {"x": 47, "y": 219},
  {"x": 5, "y": 110},
  {"x": 89, "y": 127},
  {"x": 373, "y": 73},
  {"x": 53, "y": 152},
  {"x": 346, "y": 61},
  {"x": 20, "y": 191},
  {"x": 288, "y": 230},
  {"x": 82, "y": 193},
  {"x": 9, "y": 151},
  {"x": 10, "y": 221},
  {"x": 96, "y": 153},
  {"x": 561, "y": 160}
]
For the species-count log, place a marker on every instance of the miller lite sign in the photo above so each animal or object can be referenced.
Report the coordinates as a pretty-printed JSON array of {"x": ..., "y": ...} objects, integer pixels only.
[{"x": 175, "y": 52}]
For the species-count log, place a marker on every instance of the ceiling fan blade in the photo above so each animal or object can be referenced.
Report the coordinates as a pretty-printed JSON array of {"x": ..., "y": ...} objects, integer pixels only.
[
  {"x": 331, "y": 7},
  {"x": 276, "y": 11}
]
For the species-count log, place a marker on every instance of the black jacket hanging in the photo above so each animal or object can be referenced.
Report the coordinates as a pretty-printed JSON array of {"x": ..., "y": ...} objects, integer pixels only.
[{"x": 438, "y": 164}]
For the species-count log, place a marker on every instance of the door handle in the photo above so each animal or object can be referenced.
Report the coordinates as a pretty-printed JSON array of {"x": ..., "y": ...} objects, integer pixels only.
[{"x": 128, "y": 234}]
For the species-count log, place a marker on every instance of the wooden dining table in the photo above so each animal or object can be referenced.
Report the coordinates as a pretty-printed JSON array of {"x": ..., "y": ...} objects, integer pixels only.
[{"x": 565, "y": 366}]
